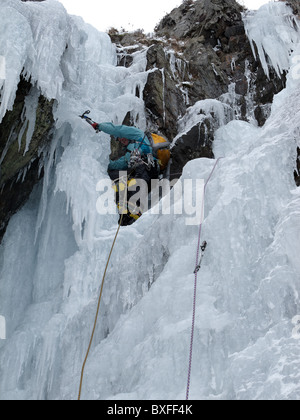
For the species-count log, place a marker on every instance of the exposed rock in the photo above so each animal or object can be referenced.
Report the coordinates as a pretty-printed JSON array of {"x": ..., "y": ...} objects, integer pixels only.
[
  {"x": 14, "y": 155},
  {"x": 217, "y": 49},
  {"x": 210, "y": 18},
  {"x": 163, "y": 98},
  {"x": 19, "y": 168},
  {"x": 196, "y": 143},
  {"x": 14, "y": 194},
  {"x": 200, "y": 51},
  {"x": 295, "y": 5},
  {"x": 212, "y": 43},
  {"x": 297, "y": 171}
]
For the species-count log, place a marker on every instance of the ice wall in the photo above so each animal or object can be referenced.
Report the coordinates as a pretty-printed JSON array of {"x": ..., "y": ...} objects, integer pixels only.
[
  {"x": 273, "y": 32},
  {"x": 55, "y": 249},
  {"x": 247, "y": 340}
]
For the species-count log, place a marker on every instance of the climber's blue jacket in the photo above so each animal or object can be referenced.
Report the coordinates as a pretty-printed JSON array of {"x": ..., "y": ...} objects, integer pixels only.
[{"x": 135, "y": 135}]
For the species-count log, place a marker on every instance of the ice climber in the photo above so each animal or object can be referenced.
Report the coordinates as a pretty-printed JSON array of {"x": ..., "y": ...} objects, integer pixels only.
[{"x": 136, "y": 160}]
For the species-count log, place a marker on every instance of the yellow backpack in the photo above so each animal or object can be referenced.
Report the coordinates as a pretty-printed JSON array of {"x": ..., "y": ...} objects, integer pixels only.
[{"x": 161, "y": 149}]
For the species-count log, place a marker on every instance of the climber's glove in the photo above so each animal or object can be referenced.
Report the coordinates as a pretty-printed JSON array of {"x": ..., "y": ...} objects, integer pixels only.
[{"x": 96, "y": 127}]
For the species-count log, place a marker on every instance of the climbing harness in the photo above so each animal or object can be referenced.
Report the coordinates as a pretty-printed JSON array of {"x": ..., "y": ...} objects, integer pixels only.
[
  {"x": 150, "y": 161},
  {"x": 135, "y": 159},
  {"x": 200, "y": 249}
]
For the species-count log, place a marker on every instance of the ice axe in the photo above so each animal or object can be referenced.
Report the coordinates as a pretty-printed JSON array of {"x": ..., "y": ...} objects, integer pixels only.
[{"x": 85, "y": 117}]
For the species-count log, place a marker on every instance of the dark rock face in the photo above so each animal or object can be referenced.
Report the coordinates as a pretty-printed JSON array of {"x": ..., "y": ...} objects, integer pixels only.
[
  {"x": 198, "y": 141},
  {"x": 19, "y": 168},
  {"x": 214, "y": 52},
  {"x": 14, "y": 194},
  {"x": 208, "y": 18},
  {"x": 200, "y": 50},
  {"x": 295, "y": 5},
  {"x": 218, "y": 52},
  {"x": 162, "y": 95},
  {"x": 297, "y": 171}
]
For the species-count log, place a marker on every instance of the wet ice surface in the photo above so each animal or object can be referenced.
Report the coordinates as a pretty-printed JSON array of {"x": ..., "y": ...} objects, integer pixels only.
[{"x": 55, "y": 249}]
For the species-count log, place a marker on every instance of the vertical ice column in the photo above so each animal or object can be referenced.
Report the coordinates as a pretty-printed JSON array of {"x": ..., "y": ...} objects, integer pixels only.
[
  {"x": 2, "y": 68},
  {"x": 273, "y": 32},
  {"x": 2, "y": 328}
]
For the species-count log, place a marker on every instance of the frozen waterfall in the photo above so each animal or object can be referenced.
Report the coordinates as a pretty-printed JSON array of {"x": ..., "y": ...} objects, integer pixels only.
[{"x": 53, "y": 254}]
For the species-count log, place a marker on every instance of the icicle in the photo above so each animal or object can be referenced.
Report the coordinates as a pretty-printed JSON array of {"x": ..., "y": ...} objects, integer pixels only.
[
  {"x": 164, "y": 87},
  {"x": 274, "y": 31},
  {"x": 173, "y": 62},
  {"x": 249, "y": 96},
  {"x": 233, "y": 66},
  {"x": 31, "y": 104},
  {"x": 231, "y": 98},
  {"x": 184, "y": 90},
  {"x": 48, "y": 164},
  {"x": 220, "y": 113},
  {"x": 214, "y": 69}
]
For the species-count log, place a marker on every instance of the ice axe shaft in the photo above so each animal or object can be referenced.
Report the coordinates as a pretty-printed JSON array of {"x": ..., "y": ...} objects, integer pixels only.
[{"x": 88, "y": 119}]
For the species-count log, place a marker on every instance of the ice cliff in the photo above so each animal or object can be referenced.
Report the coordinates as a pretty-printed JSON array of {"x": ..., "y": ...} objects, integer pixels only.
[{"x": 56, "y": 246}]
